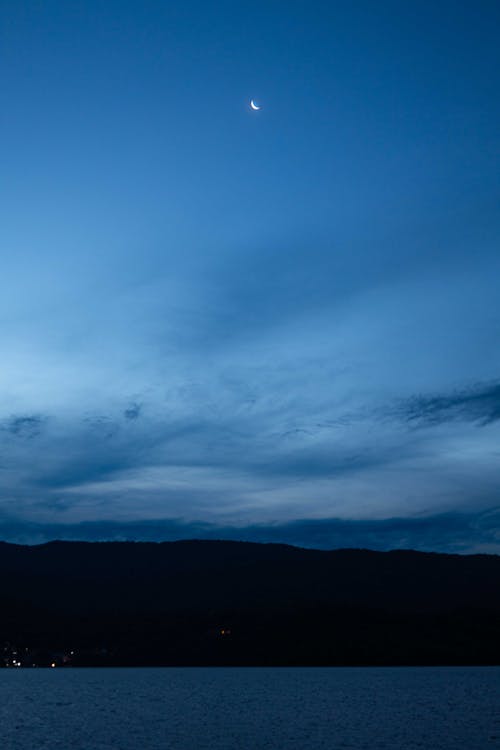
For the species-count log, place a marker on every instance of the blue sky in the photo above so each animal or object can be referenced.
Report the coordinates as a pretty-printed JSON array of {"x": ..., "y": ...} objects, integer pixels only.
[{"x": 277, "y": 325}]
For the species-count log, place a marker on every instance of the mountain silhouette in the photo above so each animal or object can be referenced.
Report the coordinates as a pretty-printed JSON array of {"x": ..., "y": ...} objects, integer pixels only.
[{"x": 239, "y": 603}]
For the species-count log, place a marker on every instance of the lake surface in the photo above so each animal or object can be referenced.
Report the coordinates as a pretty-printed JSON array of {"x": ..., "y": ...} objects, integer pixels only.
[{"x": 249, "y": 709}]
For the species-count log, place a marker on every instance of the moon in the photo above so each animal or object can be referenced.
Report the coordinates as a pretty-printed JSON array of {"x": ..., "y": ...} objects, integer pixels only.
[{"x": 254, "y": 106}]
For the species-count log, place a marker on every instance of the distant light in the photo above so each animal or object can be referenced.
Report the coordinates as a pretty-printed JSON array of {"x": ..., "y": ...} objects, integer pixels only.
[{"x": 53, "y": 664}]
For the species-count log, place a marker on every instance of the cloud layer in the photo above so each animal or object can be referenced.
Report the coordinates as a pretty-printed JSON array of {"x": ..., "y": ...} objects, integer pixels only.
[{"x": 448, "y": 532}]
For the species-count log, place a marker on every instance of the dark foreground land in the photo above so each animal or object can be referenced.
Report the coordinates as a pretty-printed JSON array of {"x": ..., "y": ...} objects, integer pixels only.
[{"x": 236, "y": 603}]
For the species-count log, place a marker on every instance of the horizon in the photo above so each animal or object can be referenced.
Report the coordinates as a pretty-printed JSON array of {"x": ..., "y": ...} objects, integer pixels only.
[
  {"x": 323, "y": 535},
  {"x": 388, "y": 551}
]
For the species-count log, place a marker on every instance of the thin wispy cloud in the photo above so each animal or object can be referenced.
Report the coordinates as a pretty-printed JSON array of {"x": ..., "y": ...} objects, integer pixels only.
[
  {"x": 479, "y": 403},
  {"x": 23, "y": 426}
]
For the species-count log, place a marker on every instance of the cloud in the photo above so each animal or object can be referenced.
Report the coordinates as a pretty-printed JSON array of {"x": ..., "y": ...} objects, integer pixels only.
[
  {"x": 133, "y": 411},
  {"x": 24, "y": 426},
  {"x": 479, "y": 403},
  {"x": 240, "y": 460},
  {"x": 292, "y": 414}
]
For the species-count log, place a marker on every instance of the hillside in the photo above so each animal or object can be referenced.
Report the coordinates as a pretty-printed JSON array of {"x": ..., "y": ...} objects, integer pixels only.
[{"x": 216, "y": 602}]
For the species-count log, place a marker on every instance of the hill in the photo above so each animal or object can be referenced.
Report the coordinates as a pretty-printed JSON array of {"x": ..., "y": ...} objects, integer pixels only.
[{"x": 217, "y": 602}]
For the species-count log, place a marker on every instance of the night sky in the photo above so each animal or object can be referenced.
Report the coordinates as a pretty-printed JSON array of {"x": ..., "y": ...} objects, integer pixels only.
[{"x": 280, "y": 325}]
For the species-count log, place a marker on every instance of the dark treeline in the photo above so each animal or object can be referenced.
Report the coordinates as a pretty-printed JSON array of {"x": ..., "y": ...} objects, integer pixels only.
[{"x": 211, "y": 603}]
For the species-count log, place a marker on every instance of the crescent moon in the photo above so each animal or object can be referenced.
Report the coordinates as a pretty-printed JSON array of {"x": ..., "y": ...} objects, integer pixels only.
[{"x": 254, "y": 106}]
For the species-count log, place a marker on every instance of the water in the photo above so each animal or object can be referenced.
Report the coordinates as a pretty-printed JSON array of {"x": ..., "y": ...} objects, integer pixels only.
[{"x": 250, "y": 709}]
